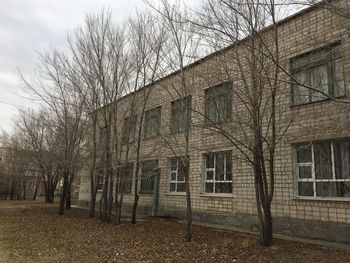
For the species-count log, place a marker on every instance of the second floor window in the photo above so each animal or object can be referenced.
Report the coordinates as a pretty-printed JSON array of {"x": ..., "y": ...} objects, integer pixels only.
[
  {"x": 322, "y": 71},
  {"x": 129, "y": 130},
  {"x": 218, "y": 104},
  {"x": 180, "y": 114},
  {"x": 149, "y": 171},
  {"x": 152, "y": 123},
  {"x": 218, "y": 172}
]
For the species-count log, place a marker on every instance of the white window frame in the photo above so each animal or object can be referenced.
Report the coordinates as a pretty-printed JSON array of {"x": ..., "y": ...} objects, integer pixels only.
[
  {"x": 313, "y": 177},
  {"x": 214, "y": 181},
  {"x": 176, "y": 172}
]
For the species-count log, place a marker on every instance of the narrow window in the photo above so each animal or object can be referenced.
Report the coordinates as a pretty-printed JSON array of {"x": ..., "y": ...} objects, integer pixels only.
[
  {"x": 152, "y": 123},
  {"x": 218, "y": 103},
  {"x": 178, "y": 169},
  {"x": 99, "y": 179},
  {"x": 180, "y": 115},
  {"x": 323, "y": 169},
  {"x": 320, "y": 70},
  {"x": 218, "y": 172},
  {"x": 125, "y": 177},
  {"x": 129, "y": 130},
  {"x": 149, "y": 171}
]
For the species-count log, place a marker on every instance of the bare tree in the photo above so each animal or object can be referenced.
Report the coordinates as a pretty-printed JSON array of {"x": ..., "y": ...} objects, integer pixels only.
[{"x": 182, "y": 49}]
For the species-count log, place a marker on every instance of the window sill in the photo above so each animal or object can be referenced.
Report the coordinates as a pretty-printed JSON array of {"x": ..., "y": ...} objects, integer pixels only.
[
  {"x": 327, "y": 199},
  {"x": 293, "y": 105},
  {"x": 216, "y": 195},
  {"x": 176, "y": 193}
]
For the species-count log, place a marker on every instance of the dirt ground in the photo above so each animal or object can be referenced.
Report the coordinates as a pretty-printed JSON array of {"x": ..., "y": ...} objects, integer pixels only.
[{"x": 33, "y": 232}]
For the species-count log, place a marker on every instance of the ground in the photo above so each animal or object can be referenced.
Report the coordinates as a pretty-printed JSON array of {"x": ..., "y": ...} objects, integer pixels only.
[{"x": 33, "y": 232}]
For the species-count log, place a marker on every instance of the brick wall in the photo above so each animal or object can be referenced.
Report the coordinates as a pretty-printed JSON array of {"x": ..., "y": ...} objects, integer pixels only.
[{"x": 325, "y": 119}]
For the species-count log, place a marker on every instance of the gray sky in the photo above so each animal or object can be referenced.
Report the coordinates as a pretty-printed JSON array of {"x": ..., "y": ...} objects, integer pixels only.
[{"x": 31, "y": 26}]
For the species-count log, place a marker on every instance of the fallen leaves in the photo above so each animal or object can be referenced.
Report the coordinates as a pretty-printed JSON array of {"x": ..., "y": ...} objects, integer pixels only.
[{"x": 40, "y": 235}]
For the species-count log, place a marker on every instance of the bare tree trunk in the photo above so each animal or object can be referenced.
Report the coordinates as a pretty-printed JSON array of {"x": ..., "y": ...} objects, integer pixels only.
[
  {"x": 63, "y": 194},
  {"x": 69, "y": 196}
]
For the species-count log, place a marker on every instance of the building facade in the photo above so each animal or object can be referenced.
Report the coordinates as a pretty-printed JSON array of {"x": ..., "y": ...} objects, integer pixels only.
[{"x": 312, "y": 181}]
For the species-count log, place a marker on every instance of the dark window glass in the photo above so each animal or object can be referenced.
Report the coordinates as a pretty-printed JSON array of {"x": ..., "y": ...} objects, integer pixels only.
[
  {"x": 125, "y": 177},
  {"x": 129, "y": 130},
  {"x": 342, "y": 159},
  {"x": 323, "y": 160},
  {"x": 152, "y": 123},
  {"x": 149, "y": 171},
  {"x": 305, "y": 189},
  {"x": 218, "y": 103},
  {"x": 322, "y": 71},
  {"x": 181, "y": 114}
]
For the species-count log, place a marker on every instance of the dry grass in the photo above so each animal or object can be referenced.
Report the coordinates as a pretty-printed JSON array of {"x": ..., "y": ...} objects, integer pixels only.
[{"x": 33, "y": 232}]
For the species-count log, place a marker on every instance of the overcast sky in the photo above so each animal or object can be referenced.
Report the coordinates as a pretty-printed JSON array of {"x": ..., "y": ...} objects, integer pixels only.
[{"x": 31, "y": 26}]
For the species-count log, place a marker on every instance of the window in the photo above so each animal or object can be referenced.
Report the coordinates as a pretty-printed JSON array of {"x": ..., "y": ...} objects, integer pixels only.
[
  {"x": 180, "y": 114},
  {"x": 218, "y": 172},
  {"x": 152, "y": 123},
  {"x": 322, "y": 70},
  {"x": 178, "y": 168},
  {"x": 149, "y": 170},
  {"x": 103, "y": 133},
  {"x": 129, "y": 130},
  {"x": 218, "y": 103},
  {"x": 323, "y": 169},
  {"x": 100, "y": 179},
  {"x": 125, "y": 177}
]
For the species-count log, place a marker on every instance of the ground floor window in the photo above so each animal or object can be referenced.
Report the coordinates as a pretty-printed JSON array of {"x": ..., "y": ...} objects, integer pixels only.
[
  {"x": 125, "y": 177},
  {"x": 178, "y": 169},
  {"x": 218, "y": 172},
  {"x": 99, "y": 179},
  {"x": 323, "y": 169},
  {"x": 149, "y": 171}
]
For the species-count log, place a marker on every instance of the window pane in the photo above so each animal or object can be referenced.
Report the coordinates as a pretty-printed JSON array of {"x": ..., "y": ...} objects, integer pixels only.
[
  {"x": 181, "y": 187},
  {"x": 218, "y": 103},
  {"x": 173, "y": 176},
  {"x": 319, "y": 81},
  {"x": 326, "y": 189},
  {"x": 305, "y": 172},
  {"x": 210, "y": 175},
  {"x": 323, "y": 160},
  {"x": 342, "y": 159},
  {"x": 149, "y": 170},
  {"x": 172, "y": 187},
  {"x": 152, "y": 123},
  {"x": 209, "y": 161},
  {"x": 301, "y": 93},
  {"x": 229, "y": 166},
  {"x": 305, "y": 189},
  {"x": 181, "y": 172},
  {"x": 223, "y": 187},
  {"x": 180, "y": 114},
  {"x": 338, "y": 76},
  {"x": 173, "y": 164},
  {"x": 208, "y": 187},
  {"x": 219, "y": 167},
  {"x": 304, "y": 154},
  {"x": 343, "y": 189},
  {"x": 129, "y": 129}
]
